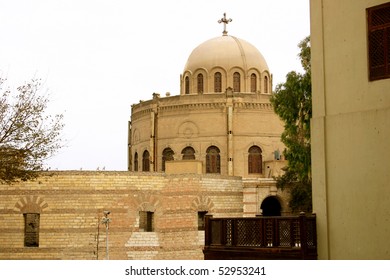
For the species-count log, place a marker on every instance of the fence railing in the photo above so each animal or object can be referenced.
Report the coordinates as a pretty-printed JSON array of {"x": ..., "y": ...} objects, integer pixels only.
[{"x": 295, "y": 235}]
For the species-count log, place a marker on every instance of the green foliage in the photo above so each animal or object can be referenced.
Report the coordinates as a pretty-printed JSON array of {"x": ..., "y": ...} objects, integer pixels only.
[
  {"x": 28, "y": 136},
  {"x": 292, "y": 103},
  {"x": 305, "y": 54}
]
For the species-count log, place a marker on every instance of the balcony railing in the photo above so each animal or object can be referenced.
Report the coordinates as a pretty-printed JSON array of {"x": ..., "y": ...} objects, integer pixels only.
[{"x": 284, "y": 237}]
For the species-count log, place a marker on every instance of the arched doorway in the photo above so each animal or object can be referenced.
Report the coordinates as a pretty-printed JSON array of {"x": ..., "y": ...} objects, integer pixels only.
[{"x": 271, "y": 206}]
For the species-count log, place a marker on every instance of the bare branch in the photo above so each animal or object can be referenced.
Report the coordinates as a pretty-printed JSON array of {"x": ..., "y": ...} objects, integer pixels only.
[{"x": 28, "y": 136}]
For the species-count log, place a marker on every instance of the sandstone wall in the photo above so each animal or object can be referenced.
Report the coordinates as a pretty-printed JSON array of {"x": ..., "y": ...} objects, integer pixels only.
[{"x": 71, "y": 206}]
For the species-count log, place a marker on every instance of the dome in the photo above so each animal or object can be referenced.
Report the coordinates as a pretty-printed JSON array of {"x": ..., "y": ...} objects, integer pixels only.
[
  {"x": 233, "y": 60},
  {"x": 226, "y": 52}
]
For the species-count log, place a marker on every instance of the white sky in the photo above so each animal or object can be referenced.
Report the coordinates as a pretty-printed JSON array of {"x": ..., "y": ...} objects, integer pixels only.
[{"x": 97, "y": 58}]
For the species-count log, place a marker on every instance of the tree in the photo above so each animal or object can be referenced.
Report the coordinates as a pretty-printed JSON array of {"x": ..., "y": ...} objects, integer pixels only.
[
  {"x": 28, "y": 136},
  {"x": 292, "y": 103}
]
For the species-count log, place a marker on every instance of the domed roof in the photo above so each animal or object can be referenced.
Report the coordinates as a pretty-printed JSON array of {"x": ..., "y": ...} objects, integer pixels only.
[{"x": 226, "y": 52}]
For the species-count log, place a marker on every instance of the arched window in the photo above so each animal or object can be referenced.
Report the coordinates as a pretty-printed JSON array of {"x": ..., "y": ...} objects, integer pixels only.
[
  {"x": 145, "y": 161},
  {"x": 217, "y": 82},
  {"x": 253, "y": 83},
  {"x": 188, "y": 153},
  {"x": 265, "y": 84},
  {"x": 213, "y": 160},
  {"x": 136, "y": 162},
  {"x": 236, "y": 82},
  {"x": 255, "y": 163},
  {"x": 187, "y": 85},
  {"x": 167, "y": 155},
  {"x": 200, "y": 83}
]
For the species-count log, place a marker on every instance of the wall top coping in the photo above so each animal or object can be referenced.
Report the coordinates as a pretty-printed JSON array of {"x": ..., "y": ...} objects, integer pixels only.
[
  {"x": 202, "y": 99},
  {"x": 162, "y": 175}
]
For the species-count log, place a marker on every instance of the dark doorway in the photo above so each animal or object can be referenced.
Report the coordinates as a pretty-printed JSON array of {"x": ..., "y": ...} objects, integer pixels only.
[{"x": 271, "y": 206}]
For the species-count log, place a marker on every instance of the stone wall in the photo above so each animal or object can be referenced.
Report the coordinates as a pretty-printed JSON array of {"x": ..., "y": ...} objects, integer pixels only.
[
  {"x": 255, "y": 190},
  {"x": 231, "y": 123},
  {"x": 71, "y": 206}
]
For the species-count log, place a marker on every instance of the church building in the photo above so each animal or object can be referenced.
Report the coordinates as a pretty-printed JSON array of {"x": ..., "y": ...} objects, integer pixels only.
[
  {"x": 222, "y": 122},
  {"x": 213, "y": 149}
]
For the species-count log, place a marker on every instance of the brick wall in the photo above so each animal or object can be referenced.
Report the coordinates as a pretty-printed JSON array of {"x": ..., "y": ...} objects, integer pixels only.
[{"x": 71, "y": 204}]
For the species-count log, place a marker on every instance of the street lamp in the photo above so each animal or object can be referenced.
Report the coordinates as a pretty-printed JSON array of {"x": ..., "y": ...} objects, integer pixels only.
[{"x": 106, "y": 221}]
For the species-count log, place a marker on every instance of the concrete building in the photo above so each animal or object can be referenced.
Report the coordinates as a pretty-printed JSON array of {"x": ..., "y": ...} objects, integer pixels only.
[{"x": 350, "y": 127}]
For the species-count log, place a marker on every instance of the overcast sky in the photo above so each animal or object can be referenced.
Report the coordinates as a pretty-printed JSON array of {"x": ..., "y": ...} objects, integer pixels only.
[{"x": 96, "y": 58}]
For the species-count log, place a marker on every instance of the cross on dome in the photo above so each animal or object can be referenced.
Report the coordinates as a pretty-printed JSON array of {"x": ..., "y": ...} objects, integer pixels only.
[{"x": 225, "y": 21}]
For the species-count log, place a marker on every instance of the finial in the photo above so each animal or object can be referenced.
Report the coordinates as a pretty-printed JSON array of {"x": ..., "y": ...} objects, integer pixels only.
[{"x": 225, "y": 21}]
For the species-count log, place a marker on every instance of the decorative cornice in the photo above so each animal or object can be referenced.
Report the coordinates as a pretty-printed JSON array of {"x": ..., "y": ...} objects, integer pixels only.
[
  {"x": 193, "y": 106},
  {"x": 140, "y": 112},
  {"x": 253, "y": 105}
]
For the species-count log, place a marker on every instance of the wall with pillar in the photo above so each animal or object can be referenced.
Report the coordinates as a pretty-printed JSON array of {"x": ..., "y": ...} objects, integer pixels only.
[{"x": 232, "y": 122}]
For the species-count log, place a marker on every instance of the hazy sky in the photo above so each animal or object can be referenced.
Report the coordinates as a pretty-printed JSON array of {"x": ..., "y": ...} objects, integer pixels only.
[{"x": 96, "y": 58}]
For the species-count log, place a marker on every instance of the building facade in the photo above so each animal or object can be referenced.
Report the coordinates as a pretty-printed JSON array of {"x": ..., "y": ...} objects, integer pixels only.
[
  {"x": 211, "y": 150},
  {"x": 152, "y": 215},
  {"x": 350, "y": 127},
  {"x": 222, "y": 118}
]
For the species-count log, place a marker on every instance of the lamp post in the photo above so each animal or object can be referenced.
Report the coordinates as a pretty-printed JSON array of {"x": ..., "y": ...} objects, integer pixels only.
[{"x": 106, "y": 221}]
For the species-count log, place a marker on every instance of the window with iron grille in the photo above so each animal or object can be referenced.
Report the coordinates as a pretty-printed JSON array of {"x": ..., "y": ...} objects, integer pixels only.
[
  {"x": 236, "y": 82},
  {"x": 31, "y": 229},
  {"x": 167, "y": 156},
  {"x": 136, "y": 162},
  {"x": 187, "y": 85},
  {"x": 255, "y": 160},
  {"x": 200, "y": 83},
  {"x": 253, "y": 83},
  {"x": 145, "y": 161},
  {"x": 146, "y": 221},
  {"x": 213, "y": 160},
  {"x": 217, "y": 82},
  {"x": 378, "y": 28},
  {"x": 188, "y": 153}
]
